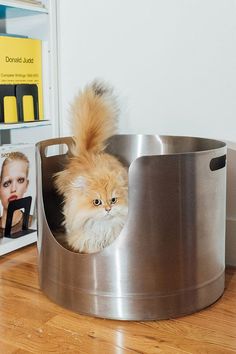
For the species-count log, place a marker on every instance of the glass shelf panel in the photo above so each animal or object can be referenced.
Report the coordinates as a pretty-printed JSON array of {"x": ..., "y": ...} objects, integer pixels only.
[
  {"x": 4, "y": 126},
  {"x": 8, "y": 12}
]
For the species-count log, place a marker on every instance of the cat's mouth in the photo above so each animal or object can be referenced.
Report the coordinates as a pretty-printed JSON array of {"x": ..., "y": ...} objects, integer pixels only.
[{"x": 108, "y": 216}]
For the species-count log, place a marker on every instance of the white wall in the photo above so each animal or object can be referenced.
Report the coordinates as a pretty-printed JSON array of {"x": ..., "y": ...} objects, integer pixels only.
[{"x": 173, "y": 63}]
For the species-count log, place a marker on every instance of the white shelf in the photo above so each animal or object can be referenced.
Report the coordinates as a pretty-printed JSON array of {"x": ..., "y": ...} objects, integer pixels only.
[
  {"x": 41, "y": 123},
  {"x": 11, "y": 244},
  {"x": 16, "y": 8}
]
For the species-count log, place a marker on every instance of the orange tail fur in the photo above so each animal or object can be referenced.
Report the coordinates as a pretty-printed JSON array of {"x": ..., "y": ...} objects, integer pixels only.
[{"x": 94, "y": 118}]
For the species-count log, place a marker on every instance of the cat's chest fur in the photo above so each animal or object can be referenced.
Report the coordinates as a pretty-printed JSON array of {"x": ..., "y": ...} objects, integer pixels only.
[{"x": 97, "y": 233}]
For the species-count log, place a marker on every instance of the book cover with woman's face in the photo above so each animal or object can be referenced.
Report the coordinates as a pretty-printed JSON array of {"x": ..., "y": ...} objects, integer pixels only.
[{"x": 17, "y": 180}]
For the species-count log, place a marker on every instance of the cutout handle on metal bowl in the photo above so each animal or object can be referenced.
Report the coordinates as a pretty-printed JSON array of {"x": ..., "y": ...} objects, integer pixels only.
[
  {"x": 55, "y": 150},
  {"x": 217, "y": 163},
  {"x": 55, "y": 147}
]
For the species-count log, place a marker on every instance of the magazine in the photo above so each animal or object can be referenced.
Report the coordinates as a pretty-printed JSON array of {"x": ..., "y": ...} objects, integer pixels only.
[{"x": 17, "y": 190}]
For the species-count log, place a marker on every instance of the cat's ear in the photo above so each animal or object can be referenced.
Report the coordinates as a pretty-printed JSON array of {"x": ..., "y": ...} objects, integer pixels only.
[{"x": 80, "y": 182}]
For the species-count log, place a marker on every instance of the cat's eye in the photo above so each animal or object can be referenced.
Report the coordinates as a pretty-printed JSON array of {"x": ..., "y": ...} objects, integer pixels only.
[
  {"x": 97, "y": 202},
  {"x": 113, "y": 200}
]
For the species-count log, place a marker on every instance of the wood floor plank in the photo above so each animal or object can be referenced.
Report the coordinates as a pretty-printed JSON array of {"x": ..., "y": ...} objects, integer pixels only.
[
  {"x": 110, "y": 331},
  {"x": 7, "y": 348},
  {"x": 31, "y": 323}
]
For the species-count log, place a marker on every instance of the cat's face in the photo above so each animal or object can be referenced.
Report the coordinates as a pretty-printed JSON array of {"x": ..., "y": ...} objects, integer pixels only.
[
  {"x": 102, "y": 198},
  {"x": 105, "y": 203}
]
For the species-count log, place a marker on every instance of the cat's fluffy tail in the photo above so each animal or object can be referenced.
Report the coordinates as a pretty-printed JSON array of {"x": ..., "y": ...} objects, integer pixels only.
[{"x": 94, "y": 118}]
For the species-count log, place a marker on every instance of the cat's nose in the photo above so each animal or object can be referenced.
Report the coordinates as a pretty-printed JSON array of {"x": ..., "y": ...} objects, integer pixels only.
[{"x": 108, "y": 209}]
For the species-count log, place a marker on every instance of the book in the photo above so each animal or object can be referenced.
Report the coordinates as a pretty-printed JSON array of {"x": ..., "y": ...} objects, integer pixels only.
[
  {"x": 17, "y": 190},
  {"x": 21, "y": 66}
]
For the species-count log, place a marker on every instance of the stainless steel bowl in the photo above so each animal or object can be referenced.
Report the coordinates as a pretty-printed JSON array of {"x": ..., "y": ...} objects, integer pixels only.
[{"x": 169, "y": 259}]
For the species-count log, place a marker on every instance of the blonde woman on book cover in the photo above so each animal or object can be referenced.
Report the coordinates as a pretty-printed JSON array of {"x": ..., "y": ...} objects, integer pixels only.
[{"x": 13, "y": 185}]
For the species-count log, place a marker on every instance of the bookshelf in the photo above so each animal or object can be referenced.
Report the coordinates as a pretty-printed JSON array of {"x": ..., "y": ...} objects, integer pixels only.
[
  {"x": 38, "y": 21},
  {"x": 24, "y": 125},
  {"x": 11, "y": 244}
]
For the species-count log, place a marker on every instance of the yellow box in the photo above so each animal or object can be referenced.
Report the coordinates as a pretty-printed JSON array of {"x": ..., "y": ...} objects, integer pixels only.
[{"x": 21, "y": 63}]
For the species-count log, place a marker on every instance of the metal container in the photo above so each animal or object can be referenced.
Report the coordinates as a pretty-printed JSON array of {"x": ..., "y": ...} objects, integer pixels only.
[{"x": 169, "y": 259}]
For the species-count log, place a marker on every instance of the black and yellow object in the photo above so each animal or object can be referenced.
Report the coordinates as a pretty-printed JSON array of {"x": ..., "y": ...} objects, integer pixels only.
[
  {"x": 19, "y": 103},
  {"x": 27, "y": 102},
  {"x": 21, "y": 67},
  {"x": 8, "y": 105}
]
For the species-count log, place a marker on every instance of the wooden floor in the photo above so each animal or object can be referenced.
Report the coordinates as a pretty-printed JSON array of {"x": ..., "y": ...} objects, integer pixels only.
[{"x": 30, "y": 323}]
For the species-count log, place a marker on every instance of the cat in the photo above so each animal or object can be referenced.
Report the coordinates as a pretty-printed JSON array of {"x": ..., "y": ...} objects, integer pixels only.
[{"x": 94, "y": 185}]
